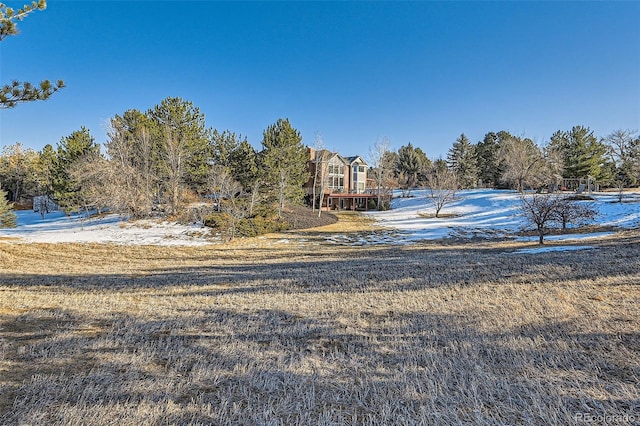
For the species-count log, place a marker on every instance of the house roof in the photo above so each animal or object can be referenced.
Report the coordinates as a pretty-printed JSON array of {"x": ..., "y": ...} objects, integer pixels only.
[
  {"x": 326, "y": 155},
  {"x": 356, "y": 159}
]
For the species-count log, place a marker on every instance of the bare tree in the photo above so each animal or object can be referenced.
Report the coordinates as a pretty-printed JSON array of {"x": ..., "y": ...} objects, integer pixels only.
[
  {"x": 96, "y": 184},
  {"x": 543, "y": 210},
  {"x": 130, "y": 171},
  {"x": 320, "y": 175},
  {"x": 382, "y": 166},
  {"x": 228, "y": 198},
  {"x": 539, "y": 210},
  {"x": 442, "y": 185},
  {"x": 569, "y": 210},
  {"x": 624, "y": 150},
  {"x": 221, "y": 185},
  {"x": 175, "y": 157},
  {"x": 523, "y": 163}
]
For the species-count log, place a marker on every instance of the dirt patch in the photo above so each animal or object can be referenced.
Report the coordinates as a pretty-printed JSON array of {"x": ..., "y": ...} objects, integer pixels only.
[{"x": 300, "y": 217}]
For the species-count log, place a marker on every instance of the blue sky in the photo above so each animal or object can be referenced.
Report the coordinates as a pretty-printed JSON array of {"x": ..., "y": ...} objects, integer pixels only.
[{"x": 354, "y": 72}]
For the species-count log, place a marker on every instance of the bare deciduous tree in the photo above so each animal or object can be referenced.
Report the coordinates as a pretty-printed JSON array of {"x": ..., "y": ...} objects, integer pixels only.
[
  {"x": 442, "y": 186},
  {"x": 175, "y": 157},
  {"x": 539, "y": 210},
  {"x": 130, "y": 172},
  {"x": 320, "y": 175},
  {"x": 382, "y": 166},
  {"x": 523, "y": 163},
  {"x": 569, "y": 210},
  {"x": 543, "y": 210}
]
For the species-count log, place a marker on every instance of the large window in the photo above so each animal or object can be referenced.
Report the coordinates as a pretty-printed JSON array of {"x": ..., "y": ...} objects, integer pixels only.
[{"x": 336, "y": 176}]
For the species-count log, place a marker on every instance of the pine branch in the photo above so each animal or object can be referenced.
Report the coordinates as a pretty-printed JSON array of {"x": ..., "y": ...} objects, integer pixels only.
[{"x": 17, "y": 92}]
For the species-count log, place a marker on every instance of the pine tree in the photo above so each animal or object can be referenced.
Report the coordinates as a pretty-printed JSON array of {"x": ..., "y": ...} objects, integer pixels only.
[
  {"x": 461, "y": 159},
  {"x": 8, "y": 218},
  {"x": 487, "y": 158},
  {"x": 582, "y": 153},
  {"x": 71, "y": 150},
  {"x": 284, "y": 163},
  {"x": 243, "y": 165},
  {"x": 411, "y": 166},
  {"x": 222, "y": 147}
]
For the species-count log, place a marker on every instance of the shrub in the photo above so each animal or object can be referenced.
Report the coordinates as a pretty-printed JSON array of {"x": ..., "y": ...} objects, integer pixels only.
[
  {"x": 247, "y": 227},
  {"x": 7, "y": 215},
  {"x": 259, "y": 225},
  {"x": 218, "y": 220}
]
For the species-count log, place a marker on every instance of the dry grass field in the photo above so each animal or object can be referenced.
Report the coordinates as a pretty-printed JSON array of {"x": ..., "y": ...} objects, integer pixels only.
[{"x": 290, "y": 330}]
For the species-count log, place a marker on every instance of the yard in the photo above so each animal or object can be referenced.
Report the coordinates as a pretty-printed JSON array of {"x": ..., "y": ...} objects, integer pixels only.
[{"x": 295, "y": 329}]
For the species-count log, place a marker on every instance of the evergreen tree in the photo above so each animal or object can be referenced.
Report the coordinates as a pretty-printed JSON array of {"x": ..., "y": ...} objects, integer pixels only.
[
  {"x": 490, "y": 168},
  {"x": 244, "y": 167},
  {"x": 223, "y": 146},
  {"x": 7, "y": 215},
  {"x": 582, "y": 153},
  {"x": 461, "y": 159},
  {"x": 71, "y": 150},
  {"x": 284, "y": 163},
  {"x": 411, "y": 166},
  {"x": 17, "y": 92},
  {"x": 45, "y": 171}
]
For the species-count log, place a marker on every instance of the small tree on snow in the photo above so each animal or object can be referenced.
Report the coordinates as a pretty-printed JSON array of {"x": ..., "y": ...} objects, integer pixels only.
[
  {"x": 539, "y": 210},
  {"x": 543, "y": 210},
  {"x": 570, "y": 210},
  {"x": 442, "y": 186}
]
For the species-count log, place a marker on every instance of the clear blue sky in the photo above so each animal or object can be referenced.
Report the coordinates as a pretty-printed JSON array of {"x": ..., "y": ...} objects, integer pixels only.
[{"x": 354, "y": 72}]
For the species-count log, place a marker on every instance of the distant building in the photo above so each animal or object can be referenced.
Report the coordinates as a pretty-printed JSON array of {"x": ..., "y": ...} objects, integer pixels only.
[{"x": 337, "y": 182}]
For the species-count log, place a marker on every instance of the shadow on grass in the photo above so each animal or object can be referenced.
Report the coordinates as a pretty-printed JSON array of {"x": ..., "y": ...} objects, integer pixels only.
[
  {"x": 238, "y": 365},
  {"x": 226, "y": 366},
  {"x": 361, "y": 269}
]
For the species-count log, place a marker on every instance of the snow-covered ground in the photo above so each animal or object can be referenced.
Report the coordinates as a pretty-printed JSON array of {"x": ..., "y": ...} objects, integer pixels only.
[
  {"x": 56, "y": 227},
  {"x": 493, "y": 213},
  {"x": 475, "y": 213}
]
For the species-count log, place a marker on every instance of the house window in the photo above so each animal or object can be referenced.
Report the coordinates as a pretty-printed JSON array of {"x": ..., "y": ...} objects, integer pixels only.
[
  {"x": 361, "y": 169},
  {"x": 336, "y": 177}
]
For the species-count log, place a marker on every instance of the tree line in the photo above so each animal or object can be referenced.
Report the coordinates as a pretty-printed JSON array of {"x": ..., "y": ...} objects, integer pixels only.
[
  {"x": 158, "y": 163},
  {"x": 502, "y": 160}
]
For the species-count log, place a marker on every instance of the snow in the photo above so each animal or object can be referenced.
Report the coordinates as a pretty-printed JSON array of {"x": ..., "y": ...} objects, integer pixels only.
[
  {"x": 56, "y": 227},
  {"x": 544, "y": 249},
  {"x": 490, "y": 213},
  {"x": 474, "y": 214}
]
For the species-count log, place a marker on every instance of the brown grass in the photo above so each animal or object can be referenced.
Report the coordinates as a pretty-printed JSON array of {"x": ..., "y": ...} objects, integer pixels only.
[{"x": 286, "y": 330}]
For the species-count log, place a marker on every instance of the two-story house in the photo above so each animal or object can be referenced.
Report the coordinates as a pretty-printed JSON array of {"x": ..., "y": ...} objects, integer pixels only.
[{"x": 337, "y": 182}]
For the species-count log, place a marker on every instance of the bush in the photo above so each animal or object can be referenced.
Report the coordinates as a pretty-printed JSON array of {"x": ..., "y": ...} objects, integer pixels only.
[
  {"x": 259, "y": 225},
  {"x": 219, "y": 221},
  {"x": 7, "y": 215},
  {"x": 247, "y": 227}
]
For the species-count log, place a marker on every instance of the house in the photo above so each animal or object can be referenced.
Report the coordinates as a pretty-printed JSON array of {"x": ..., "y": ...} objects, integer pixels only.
[{"x": 337, "y": 182}]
